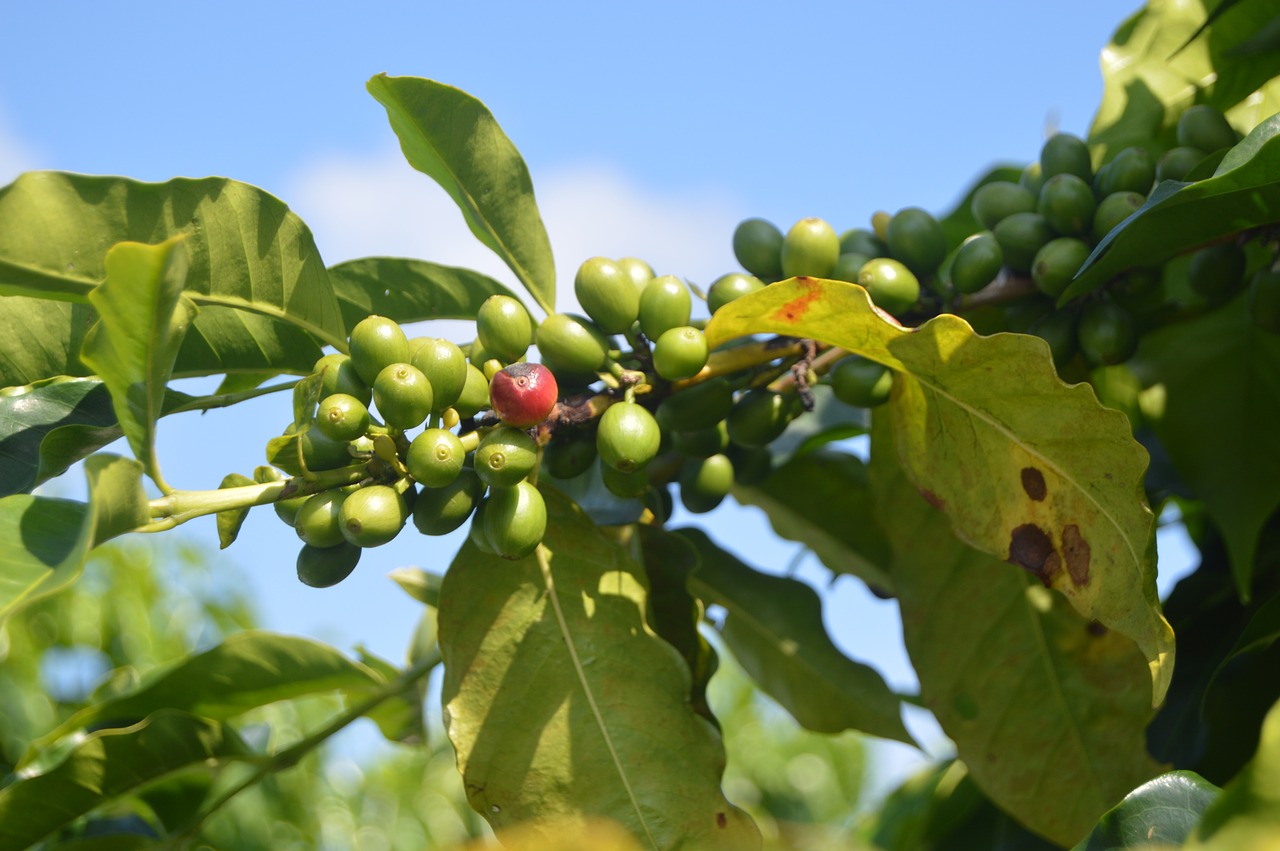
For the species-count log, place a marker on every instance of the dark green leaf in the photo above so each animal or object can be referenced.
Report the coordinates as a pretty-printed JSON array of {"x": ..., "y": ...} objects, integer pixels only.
[
  {"x": 400, "y": 718},
  {"x": 821, "y": 500},
  {"x": 1017, "y": 679},
  {"x": 960, "y": 223},
  {"x": 1159, "y": 812},
  {"x": 409, "y": 290},
  {"x": 41, "y": 339},
  {"x": 1246, "y": 815},
  {"x": 773, "y": 625},
  {"x": 107, "y": 764},
  {"x": 454, "y": 139},
  {"x": 555, "y": 683}
]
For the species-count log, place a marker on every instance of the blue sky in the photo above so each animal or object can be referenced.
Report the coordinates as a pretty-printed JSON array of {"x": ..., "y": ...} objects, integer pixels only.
[{"x": 650, "y": 129}]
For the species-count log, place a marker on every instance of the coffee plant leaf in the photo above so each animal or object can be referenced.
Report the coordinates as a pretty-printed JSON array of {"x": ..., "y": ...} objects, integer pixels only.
[
  {"x": 1010, "y": 671},
  {"x": 230, "y": 521},
  {"x": 45, "y": 541},
  {"x": 408, "y": 290},
  {"x": 1221, "y": 379},
  {"x": 399, "y": 718},
  {"x": 773, "y": 625},
  {"x": 1026, "y": 467},
  {"x": 553, "y": 683},
  {"x": 1162, "y": 810},
  {"x": 452, "y": 138},
  {"x": 821, "y": 499},
  {"x": 1246, "y": 815}
]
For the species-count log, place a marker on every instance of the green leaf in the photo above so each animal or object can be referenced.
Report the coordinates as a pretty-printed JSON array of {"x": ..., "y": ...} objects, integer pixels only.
[
  {"x": 1146, "y": 86},
  {"x": 1160, "y": 811},
  {"x": 143, "y": 319},
  {"x": 1244, "y": 193},
  {"x": 247, "y": 670},
  {"x": 1026, "y": 467},
  {"x": 254, "y": 270},
  {"x": 822, "y": 501},
  {"x": 230, "y": 521},
  {"x": 419, "y": 584},
  {"x": 451, "y": 137},
  {"x": 409, "y": 290},
  {"x": 44, "y": 542},
  {"x": 1016, "y": 678},
  {"x": 774, "y": 627},
  {"x": 1246, "y": 816},
  {"x": 107, "y": 764},
  {"x": 29, "y": 414},
  {"x": 1221, "y": 376},
  {"x": 555, "y": 685},
  {"x": 399, "y": 718}
]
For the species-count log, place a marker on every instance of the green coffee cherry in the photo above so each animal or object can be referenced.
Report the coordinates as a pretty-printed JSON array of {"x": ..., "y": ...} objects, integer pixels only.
[
  {"x": 572, "y": 345},
  {"x": 862, "y": 241},
  {"x": 1064, "y": 153},
  {"x": 607, "y": 294},
  {"x": 1132, "y": 170},
  {"x": 810, "y": 248},
  {"x": 320, "y": 452},
  {"x": 342, "y": 417},
  {"x": 1264, "y": 301},
  {"x": 435, "y": 458},
  {"x": 628, "y": 436},
  {"x": 569, "y": 454},
  {"x": 317, "y": 522},
  {"x": 976, "y": 263},
  {"x": 324, "y": 567},
  {"x": 757, "y": 245},
  {"x": 860, "y": 382},
  {"x": 999, "y": 200},
  {"x": 504, "y": 328},
  {"x": 700, "y": 406},
  {"x": 891, "y": 285},
  {"x": 505, "y": 456},
  {"x": 880, "y": 225},
  {"x": 665, "y": 303},
  {"x": 445, "y": 367},
  {"x": 515, "y": 520},
  {"x": 705, "y": 482},
  {"x": 637, "y": 271},
  {"x": 702, "y": 443},
  {"x": 1113, "y": 210},
  {"x": 1177, "y": 162},
  {"x": 338, "y": 375},
  {"x": 760, "y": 417},
  {"x": 848, "y": 266},
  {"x": 402, "y": 395},
  {"x": 477, "y": 534},
  {"x": 372, "y": 516},
  {"x": 680, "y": 353},
  {"x": 1031, "y": 180},
  {"x": 1067, "y": 204},
  {"x": 626, "y": 485},
  {"x": 916, "y": 239},
  {"x": 726, "y": 288},
  {"x": 1204, "y": 127},
  {"x": 475, "y": 394},
  {"x": 658, "y": 500},
  {"x": 751, "y": 464},
  {"x": 377, "y": 342},
  {"x": 1021, "y": 236},
  {"x": 438, "y": 511},
  {"x": 1057, "y": 262},
  {"x": 1106, "y": 334},
  {"x": 1058, "y": 329},
  {"x": 1217, "y": 272},
  {"x": 287, "y": 509}
]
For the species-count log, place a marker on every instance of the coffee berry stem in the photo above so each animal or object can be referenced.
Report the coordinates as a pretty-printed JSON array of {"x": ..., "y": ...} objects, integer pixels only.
[
  {"x": 737, "y": 359},
  {"x": 179, "y": 506}
]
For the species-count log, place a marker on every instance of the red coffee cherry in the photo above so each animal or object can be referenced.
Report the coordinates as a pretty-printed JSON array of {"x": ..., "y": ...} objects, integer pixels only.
[{"x": 523, "y": 394}]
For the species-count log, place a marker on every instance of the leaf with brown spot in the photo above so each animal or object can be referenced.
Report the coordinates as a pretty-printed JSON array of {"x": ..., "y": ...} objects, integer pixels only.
[
  {"x": 1018, "y": 680},
  {"x": 969, "y": 414}
]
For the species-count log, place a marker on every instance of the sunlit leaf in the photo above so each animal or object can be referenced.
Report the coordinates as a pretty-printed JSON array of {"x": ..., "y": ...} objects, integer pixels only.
[
  {"x": 400, "y": 718},
  {"x": 450, "y": 136},
  {"x": 419, "y": 584},
  {"x": 44, "y": 542},
  {"x": 1026, "y": 468},
  {"x": 773, "y": 625},
  {"x": 821, "y": 500},
  {"x": 554, "y": 685},
  {"x": 1160, "y": 811},
  {"x": 1016, "y": 678},
  {"x": 409, "y": 290},
  {"x": 1246, "y": 816}
]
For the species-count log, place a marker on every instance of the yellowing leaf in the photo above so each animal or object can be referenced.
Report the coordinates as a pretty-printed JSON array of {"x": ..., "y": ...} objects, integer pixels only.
[{"x": 1027, "y": 468}]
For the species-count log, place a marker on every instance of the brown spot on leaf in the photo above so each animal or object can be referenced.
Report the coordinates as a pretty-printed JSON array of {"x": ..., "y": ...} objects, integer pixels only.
[
  {"x": 794, "y": 310},
  {"x": 722, "y": 821},
  {"x": 1095, "y": 629},
  {"x": 1033, "y": 483},
  {"x": 1076, "y": 550},
  {"x": 1032, "y": 549},
  {"x": 932, "y": 498}
]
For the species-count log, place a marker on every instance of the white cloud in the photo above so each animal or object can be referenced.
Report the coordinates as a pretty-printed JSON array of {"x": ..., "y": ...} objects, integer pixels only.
[
  {"x": 378, "y": 205},
  {"x": 15, "y": 155}
]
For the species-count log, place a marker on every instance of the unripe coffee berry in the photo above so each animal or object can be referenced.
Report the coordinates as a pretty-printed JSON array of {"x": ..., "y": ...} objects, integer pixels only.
[
  {"x": 680, "y": 353},
  {"x": 372, "y": 515},
  {"x": 504, "y": 327},
  {"x": 515, "y": 520},
  {"x": 523, "y": 394},
  {"x": 607, "y": 294},
  {"x": 402, "y": 395},
  {"x": 664, "y": 304},
  {"x": 444, "y": 365},
  {"x": 376, "y": 342},
  {"x": 628, "y": 436},
  {"x": 342, "y": 417},
  {"x": 505, "y": 456},
  {"x": 435, "y": 458}
]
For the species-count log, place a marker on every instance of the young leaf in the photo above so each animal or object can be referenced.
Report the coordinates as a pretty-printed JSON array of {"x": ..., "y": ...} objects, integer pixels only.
[
  {"x": 400, "y": 718},
  {"x": 44, "y": 542},
  {"x": 452, "y": 138},
  {"x": 1160, "y": 811},
  {"x": 561, "y": 701},
  {"x": 774, "y": 627},
  {"x": 1026, "y": 467},
  {"x": 821, "y": 500},
  {"x": 230, "y": 521},
  {"x": 1247, "y": 813},
  {"x": 143, "y": 318},
  {"x": 107, "y": 764},
  {"x": 409, "y": 290},
  {"x": 1016, "y": 679},
  {"x": 419, "y": 584},
  {"x": 1221, "y": 375}
]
